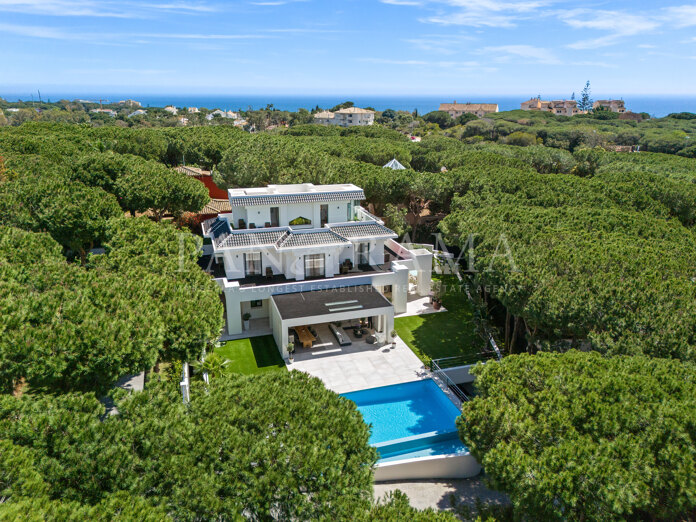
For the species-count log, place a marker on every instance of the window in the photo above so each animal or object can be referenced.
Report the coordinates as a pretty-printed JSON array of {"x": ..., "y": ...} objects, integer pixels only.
[
  {"x": 314, "y": 265},
  {"x": 363, "y": 253},
  {"x": 252, "y": 264},
  {"x": 275, "y": 217},
  {"x": 324, "y": 214},
  {"x": 256, "y": 304}
]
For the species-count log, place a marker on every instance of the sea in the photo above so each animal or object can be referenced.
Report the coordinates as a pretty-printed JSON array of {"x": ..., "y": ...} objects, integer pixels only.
[{"x": 656, "y": 106}]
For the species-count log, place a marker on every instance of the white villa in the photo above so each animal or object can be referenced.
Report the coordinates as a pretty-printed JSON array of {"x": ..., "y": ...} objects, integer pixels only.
[
  {"x": 348, "y": 117},
  {"x": 298, "y": 256}
]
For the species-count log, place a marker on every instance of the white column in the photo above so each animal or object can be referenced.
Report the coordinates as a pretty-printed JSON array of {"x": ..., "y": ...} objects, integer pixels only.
[
  {"x": 234, "y": 310},
  {"x": 389, "y": 326},
  {"x": 424, "y": 264},
  {"x": 400, "y": 288}
]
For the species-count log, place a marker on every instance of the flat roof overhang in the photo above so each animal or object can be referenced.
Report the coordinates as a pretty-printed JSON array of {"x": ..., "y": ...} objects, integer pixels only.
[{"x": 332, "y": 304}]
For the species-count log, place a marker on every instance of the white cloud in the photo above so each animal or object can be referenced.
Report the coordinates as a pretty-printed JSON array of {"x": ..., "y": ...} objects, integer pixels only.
[
  {"x": 523, "y": 53},
  {"x": 447, "y": 44},
  {"x": 35, "y": 31},
  {"x": 682, "y": 15},
  {"x": 401, "y": 2},
  {"x": 275, "y": 3},
  {"x": 617, "y": 24},
  {"x": 477, "y": 13},
  {"x": 429, "y": 63},
  {"x": 92, "y": 8}
]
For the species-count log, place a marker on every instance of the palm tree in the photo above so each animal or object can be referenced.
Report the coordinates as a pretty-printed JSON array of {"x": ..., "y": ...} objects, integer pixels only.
[{"x": 214, "y": 365}]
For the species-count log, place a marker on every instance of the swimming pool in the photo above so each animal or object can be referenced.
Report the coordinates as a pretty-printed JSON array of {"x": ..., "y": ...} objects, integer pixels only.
[{"x": 409, "y": 420}]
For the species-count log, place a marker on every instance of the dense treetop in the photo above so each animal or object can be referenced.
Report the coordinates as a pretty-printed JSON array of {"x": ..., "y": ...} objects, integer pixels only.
[
  {"x": 276, "y": 446},
  {"x": 68, "y": 327},
  {"x": 578, "y": 436}
]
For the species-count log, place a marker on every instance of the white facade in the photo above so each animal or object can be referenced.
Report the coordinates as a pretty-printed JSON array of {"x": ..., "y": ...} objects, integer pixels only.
[
  {"x": 300, "y": 238},
  {"x": 349, "y": 117}
]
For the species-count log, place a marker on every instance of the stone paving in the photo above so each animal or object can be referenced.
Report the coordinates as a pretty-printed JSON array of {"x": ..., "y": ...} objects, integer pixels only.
[
  {"x": 358, "y": 366},
  {"x": 418, "y": 305},
  {"x": 439, "y": 494}
]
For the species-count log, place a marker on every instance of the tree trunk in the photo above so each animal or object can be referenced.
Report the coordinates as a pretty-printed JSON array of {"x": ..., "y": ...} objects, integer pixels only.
[
  {"x": 507, "y": 330},
  {"x": 513, "y": 341}
]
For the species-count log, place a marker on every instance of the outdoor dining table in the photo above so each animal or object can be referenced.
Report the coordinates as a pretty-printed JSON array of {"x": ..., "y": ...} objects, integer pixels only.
[{"x": 305, "y": 336}]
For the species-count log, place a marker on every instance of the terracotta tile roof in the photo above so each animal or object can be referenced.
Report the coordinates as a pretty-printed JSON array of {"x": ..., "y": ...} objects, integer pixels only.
[
  {"x": 486, "y": 107},
  {"x": 192, "y": 171},
  {"x": 354, "y": 110},
  {"x": 363, "y": 230},
  {"x": 324, "y": 115},
  {"x": 217, "y": 206}
]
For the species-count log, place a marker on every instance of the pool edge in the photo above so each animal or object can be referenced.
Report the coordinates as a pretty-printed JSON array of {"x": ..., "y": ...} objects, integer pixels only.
[{"x": 452, "y": 466}]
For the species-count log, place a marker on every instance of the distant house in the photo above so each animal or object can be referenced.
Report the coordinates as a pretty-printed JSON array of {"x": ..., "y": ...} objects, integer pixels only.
[
  {"x": 324, "y": 118},
  {"x": 171, "y": 109},
  {"x": 610, "y": 105},
  {"x": 394, "y": 165},
  {"x": 222, "y": 114},
  {"x": 139, "y": 112},
  {"x": 631, "y": 116},
  {"x": 348, "y": 117},
  {"x": 13, "y": 109},
  {"x": 205, "y": 177},
  {"x": 559, "y": 107},
  {"x": 108, "y": 112},
  {"x": 129, "y": 103},
  {"x": 455, "y": 109},
  {"x": 353, "y": 116},
  {"x": 192, "y": 110},
  {"x": 183, "y": 121}
]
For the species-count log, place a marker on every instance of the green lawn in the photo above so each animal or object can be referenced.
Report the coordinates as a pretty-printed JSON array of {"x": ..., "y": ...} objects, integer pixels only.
[
  {"x": 444, "y": 334},
  {"x": 252, "y": 356}
]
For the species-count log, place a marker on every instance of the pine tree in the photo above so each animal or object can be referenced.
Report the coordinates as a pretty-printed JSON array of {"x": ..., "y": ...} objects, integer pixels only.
[{"x": 585, "y": 103}]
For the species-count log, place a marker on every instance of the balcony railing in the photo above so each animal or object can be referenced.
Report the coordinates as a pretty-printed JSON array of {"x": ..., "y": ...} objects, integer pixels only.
[{"x": 363, "y": 215}]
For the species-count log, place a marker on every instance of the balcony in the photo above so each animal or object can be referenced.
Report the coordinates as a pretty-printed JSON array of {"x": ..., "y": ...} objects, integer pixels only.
[{"x": 361, "y": 214}]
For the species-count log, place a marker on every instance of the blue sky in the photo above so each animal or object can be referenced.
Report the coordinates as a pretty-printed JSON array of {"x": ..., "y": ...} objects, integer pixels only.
[{"x": 384, "y": 47}]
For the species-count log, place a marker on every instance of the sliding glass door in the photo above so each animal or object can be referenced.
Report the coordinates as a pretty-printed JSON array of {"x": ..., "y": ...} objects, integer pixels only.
[
  {"x": 314, "y": 265},
  {"x": 363, "y": 254},
  {"x": 252, "y": 264}
]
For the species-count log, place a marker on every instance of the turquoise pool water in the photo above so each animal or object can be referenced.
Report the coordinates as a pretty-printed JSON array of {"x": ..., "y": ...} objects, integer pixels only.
[{"x": 413, "y": 419}]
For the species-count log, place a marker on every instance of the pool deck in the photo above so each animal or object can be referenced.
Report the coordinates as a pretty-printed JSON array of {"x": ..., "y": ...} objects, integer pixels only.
[
  {"x": 359, "y": 366},
  {"x": 438, "y": 494}
]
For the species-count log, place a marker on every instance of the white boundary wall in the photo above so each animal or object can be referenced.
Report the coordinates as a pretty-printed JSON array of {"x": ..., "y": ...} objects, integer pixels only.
[{"x": 435, "y": 467}]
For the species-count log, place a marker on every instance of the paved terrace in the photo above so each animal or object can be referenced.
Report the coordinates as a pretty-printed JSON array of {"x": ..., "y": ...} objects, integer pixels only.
[{"x": 358, "y": 366}]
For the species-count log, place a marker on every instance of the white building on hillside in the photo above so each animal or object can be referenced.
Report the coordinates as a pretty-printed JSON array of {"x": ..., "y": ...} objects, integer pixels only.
[
  {"x": 324, "y": 118},
  {"x": 223, "y": 114},
  {"x": 171, "y": 109},
  {"x": 455, "y": 109},
  {"x": 305, "y": 255},
  {"x": 348, "y": 117}
]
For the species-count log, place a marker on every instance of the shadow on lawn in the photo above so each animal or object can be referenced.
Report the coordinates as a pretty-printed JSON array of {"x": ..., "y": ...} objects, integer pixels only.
[
  {"x": 446, "y": 335},
  {"x": 266, "y": 352}
]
